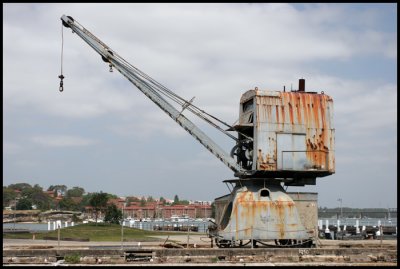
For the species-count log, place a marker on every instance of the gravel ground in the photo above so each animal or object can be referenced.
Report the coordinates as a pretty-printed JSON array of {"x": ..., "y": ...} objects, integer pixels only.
[{"x": 199, "y": 240}]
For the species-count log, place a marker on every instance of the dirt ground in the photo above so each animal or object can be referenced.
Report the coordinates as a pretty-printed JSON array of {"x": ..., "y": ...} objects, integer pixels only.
[{"x": 199, "y": 241}]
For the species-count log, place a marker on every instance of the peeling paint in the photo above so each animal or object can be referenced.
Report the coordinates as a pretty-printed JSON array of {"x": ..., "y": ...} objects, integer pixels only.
[
  {"x": 263, "y": 217},
  {"x": 296, "y": 113}
]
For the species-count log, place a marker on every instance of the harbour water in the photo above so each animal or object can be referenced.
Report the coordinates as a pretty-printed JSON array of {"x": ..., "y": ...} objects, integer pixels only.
[
  {"x": 202, "y": 224},
  {"x": 145, "y": 225},
  {"x": 26, "y": 226}
]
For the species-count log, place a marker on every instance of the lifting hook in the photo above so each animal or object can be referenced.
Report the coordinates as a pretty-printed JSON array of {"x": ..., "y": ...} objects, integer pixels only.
[{"x": 61, "y": 83}]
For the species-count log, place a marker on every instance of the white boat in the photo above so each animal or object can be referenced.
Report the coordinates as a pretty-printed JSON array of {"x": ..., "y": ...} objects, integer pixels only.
[
  {"x": 129, "y": 220},
  {"x": 176, "y": 218},
  {"x": 93, "y": 220}
]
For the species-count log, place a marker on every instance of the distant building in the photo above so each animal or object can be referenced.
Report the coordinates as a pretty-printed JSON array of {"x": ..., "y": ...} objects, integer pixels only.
[
  {"x": 119, "y": 202},
  {"x": 200, "y": 202},
  {"x": 49, "y": 193},
  {"x": 156, "y": 209}
]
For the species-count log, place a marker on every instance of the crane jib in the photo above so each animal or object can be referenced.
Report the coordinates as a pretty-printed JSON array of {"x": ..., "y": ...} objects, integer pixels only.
[{"x": 151, "y": 89}]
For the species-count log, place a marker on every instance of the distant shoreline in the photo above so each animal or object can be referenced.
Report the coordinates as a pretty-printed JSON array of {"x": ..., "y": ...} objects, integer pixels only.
[{"x": 24, "y": 222}]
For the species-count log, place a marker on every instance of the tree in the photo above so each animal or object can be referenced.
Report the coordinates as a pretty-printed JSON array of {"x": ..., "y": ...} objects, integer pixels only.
[
  {"x": 112, "y": 196},
  {"x": 67, "y": 204},
  {"x": 132, "y": 199},
  {"x": 150, "y": 199},
  {"x": 62, "y": 189},
  {"x": 179, "y": 202},
  {"x": 8, "y": 196},
  {"x": 40, "y": 199},
  {"x": 162, "y": 200},
  {"x": 98, "y": 202},
  {"x": 29, "y": 191},
  {"x": 20, "y": 186},
  {"x": 113, "y": 214},
  {"x": 24, "y": 204},
  {"x": 37, "y": 197},
  {"x": 75, "y": 192},
  {"x": 142, "y": 201},
  {"x": 75, "y": 218},
  {"x": 85, "y": 201}
]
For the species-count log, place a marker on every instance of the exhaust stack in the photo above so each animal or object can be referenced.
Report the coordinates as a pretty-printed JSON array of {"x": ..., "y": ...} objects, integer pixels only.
[{"x": 302, "y": 85}]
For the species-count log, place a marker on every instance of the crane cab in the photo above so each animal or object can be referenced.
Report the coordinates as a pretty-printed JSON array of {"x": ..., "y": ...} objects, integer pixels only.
[{"x": 292, "y": 135}]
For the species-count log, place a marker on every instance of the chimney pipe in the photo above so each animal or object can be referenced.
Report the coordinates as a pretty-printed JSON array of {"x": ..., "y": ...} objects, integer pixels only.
[{"x": 302, "y": 85}]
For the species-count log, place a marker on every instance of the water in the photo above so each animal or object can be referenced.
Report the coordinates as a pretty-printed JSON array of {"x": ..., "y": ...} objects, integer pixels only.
[
  {"x": 26, "y": 226},
  {"x": 149, "y": 225},
  {"x": 202, "y": 225}
]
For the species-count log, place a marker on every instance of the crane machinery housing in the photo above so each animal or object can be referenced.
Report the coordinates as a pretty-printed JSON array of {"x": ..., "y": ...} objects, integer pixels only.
[{"x": 284, "y": 138}]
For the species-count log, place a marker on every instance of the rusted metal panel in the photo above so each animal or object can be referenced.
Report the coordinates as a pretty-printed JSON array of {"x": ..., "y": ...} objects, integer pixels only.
[
  {"x": 221, "y": 204},
  {"x": 262, "y": 213},
  {"x": 307, "y": 206},
  {"x": 291, "y": 130},
  {"x": 291, "y": 151}
]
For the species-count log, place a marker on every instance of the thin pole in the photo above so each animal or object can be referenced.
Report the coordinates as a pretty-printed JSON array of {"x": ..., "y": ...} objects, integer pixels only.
[
  {"x": 122, "y": 228},
  {"x": 341, "y": 209},
  {"x": 252, "y": 241},
  {"x": 58, "y": 236},
  {"x": 188, "y": 230}
]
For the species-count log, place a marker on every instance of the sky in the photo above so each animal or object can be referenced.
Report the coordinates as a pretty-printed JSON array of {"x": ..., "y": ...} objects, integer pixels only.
[{"x": 101, "y": 133}]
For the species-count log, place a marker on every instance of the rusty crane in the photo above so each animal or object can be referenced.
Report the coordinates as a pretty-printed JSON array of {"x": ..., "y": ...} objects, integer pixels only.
[{"x": 284, "y": 138}]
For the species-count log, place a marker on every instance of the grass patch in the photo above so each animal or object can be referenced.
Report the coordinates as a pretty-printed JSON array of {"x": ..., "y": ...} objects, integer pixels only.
[
  {"x": 72, "y": 258},
  {"x": 99, "y": 232},
  {"x": 214, "y": 259}
]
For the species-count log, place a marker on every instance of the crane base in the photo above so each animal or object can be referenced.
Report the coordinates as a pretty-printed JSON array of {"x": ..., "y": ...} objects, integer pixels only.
[{"x": 256, "y": 212}]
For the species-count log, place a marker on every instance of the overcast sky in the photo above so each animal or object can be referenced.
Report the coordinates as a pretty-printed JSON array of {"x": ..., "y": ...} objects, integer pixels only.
[{"x": 103, "y": 134}]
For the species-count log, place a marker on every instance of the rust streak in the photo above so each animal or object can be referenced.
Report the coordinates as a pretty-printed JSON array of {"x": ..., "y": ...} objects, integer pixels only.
[
  {"x": 290, "y": 113},
  {"x": 315, "y": 108},
  {"x": 299, "y": 108},
  {"x": 281, "y": 214},
  {"x": 277, "y": 114},
  {"x": 269, "y": 112}
]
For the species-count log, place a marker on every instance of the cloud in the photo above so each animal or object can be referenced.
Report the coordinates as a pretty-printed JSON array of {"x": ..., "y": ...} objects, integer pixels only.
[
  {"x": 62, "y": 141},
  {"x": 215, "y": 52},
  {"x": 214, "y": 39},
  {"x": 11, "y": 148}
]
